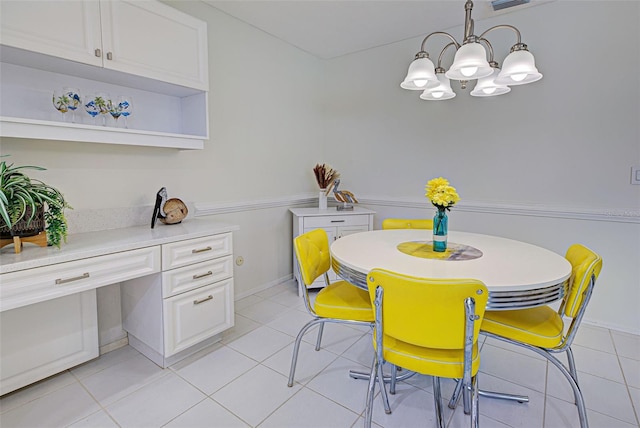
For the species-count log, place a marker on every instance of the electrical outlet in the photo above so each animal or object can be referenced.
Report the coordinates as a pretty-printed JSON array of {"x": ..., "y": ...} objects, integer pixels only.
[{"x": 635, "y": 175}]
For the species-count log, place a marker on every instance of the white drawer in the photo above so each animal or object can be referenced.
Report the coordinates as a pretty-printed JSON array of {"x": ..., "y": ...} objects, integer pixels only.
[
  {"x": 187, "y": 278},
  {"x": 336, "y": 220},
  {"x": 49, "y": 282},
  {"x": 196, "y": 250},
  {"x": 197, "y": 315}
]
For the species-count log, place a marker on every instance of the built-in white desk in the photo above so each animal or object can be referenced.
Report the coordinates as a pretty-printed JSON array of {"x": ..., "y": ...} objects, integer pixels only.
[{"x": 176, "y": 286}]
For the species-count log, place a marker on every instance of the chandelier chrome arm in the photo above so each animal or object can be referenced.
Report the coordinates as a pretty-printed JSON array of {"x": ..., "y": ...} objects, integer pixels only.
[
  {"x": 443, "y": 50},
  {"x": 519, "y": 46},
  {"x": 442, "y": 33}
]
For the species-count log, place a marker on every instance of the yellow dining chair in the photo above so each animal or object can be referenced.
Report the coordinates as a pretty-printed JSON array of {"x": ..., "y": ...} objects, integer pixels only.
[
  {"x": 542, "y": 329},
  {"x": 428, "y": 326},
  {"x": 338, "y": 302},
  {"x": 406, "y": 223}
]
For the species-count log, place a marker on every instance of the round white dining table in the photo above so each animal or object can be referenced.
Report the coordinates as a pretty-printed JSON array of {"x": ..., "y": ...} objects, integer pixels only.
[{"x": 517, "y": 274}]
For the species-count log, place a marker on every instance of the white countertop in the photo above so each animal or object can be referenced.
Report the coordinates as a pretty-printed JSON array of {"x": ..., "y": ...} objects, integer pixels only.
[{"x": 92, "y": 244}]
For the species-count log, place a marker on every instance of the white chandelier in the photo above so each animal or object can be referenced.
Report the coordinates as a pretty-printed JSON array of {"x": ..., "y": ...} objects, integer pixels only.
[{"x": 470, "y": 63}]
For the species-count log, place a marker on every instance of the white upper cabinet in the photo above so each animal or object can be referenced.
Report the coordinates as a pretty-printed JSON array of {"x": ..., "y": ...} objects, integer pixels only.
[
  {"x": 65, "y": 29},
  {"x": 143, "y": 38},
  {"x": 154, "y": 40},
  {"x": 143, "y": 49}
]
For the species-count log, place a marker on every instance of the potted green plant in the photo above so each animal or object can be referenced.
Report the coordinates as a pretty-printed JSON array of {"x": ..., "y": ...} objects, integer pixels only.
[{"x": 29, "y": 206}]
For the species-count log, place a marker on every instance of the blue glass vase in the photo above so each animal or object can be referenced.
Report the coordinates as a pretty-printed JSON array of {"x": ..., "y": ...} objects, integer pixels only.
[{"x": 440, "y": 231}]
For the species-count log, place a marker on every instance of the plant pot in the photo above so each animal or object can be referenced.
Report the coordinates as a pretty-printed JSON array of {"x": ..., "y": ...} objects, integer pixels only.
[{"x": 24, "y": 228}]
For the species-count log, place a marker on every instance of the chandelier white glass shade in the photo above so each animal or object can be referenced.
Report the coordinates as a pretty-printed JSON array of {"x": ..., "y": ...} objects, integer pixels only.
[
  {"x": 442, "y": 91},
  {"x": 421, "y": 75},
  {"x": 519, "y": 68},
  {"x": 488, "y": 87},
  {"x": 471, "y": 62}
]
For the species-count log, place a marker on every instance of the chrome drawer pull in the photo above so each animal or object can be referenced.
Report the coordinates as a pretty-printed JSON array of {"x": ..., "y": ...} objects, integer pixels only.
[
  {"x": 202, "y": 275},
  {"x": 201, "y": 250},
  {"x": 197, "y": 302},
  {"x": 64, "y": 281},
  {"x": 337, "y": 221}
]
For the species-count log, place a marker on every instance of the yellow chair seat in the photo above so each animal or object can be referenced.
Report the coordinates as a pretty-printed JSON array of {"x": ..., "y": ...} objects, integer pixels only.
[
  {"x": 541, "y": 327},
  {"x": 447, "y": 363},
  {"x": 344, "y": 301}
]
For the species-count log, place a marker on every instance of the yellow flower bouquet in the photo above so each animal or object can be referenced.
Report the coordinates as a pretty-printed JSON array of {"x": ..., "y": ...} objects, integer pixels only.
[{"x": 441, "y": 194}]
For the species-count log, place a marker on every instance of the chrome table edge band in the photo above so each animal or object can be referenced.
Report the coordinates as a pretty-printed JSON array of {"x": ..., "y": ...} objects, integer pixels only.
[{"x": 498, "y": 300}]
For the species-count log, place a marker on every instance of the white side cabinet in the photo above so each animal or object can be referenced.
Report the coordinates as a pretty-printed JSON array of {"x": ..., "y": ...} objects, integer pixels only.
[
  {"x": 183, "y": 310},
  {"x": 146, "y": 50},
  {"x": 336, "y": 223}
]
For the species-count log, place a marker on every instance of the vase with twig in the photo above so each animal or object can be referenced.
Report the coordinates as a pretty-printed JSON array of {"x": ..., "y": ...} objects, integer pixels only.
[{"x": 325, "y": 176}]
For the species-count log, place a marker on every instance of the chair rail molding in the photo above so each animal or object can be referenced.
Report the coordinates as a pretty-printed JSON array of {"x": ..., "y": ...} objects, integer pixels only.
[
  {"x": 211, "y": 208},
  {"x": 616, "y": 215}
]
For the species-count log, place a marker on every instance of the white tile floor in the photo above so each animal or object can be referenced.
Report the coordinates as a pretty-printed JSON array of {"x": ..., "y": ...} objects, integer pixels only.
[{"x": 242, "y": 382}]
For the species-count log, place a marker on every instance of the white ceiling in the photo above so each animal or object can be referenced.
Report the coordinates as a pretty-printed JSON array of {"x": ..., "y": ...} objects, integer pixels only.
[{"x": 331, "y": 28}]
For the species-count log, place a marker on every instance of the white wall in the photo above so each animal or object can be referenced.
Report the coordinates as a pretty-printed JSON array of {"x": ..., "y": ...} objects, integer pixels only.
[{"x": 563, "y": 143}]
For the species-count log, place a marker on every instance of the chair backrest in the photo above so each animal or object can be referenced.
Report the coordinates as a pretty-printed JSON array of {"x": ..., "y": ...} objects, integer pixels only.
[
  {"x": 427, "y": 312},
  {"x": 312, "y": 252},
  {"x": 585, "y": 269},
  {"x": 406, "y": 223}
]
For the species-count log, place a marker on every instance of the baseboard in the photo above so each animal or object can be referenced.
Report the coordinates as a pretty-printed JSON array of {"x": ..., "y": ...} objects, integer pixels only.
[
  {"x": 114, "y": 345},
  {"x": 264, "y": 286}
]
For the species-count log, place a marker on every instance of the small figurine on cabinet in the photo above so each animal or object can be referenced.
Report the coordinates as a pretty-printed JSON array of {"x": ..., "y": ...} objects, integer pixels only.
[
  {"x": 346, "y": 197},
  {"x": 169, "y": 211}
]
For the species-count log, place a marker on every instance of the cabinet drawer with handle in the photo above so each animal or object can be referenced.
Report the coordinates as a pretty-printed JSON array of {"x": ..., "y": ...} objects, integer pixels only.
[
  {"x": 337, "y": 220},
  {"x": 194, "y": 316},
  {"x": 187, "y": 278},
  {"x": 196, "y": 250},
  {"x": 30, "y": 286}
]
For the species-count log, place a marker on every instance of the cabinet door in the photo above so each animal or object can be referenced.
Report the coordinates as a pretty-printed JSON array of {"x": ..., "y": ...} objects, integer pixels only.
[
  {"x": 190, "y": 318},
  {"x": 151, "y": 39},
  {"x": 46, "y": 338},
  {"x": 348, "y": 230},
  {"x": 65, "y": 29},
  {"x": 331, "y": 232}
]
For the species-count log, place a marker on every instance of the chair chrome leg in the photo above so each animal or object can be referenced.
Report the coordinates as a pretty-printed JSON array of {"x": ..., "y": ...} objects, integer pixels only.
[
  {"x": 582, "y": 410},
  {"x": 455, "y": 397},
  {"x": 394, "y": 378},
  {"x": 437, "y": 398},
  {"x": 475, "y": 411},
  {"x": 319, "y": 341},
  {"x": 466, "y": 397},
  {"x": 383, "y": 391},
  {"x": 503, "y": 396},
  {"x": 368, "y": 410},
  {"x": 572, "y": 364},
  {"x": 296, "y": 348}
]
